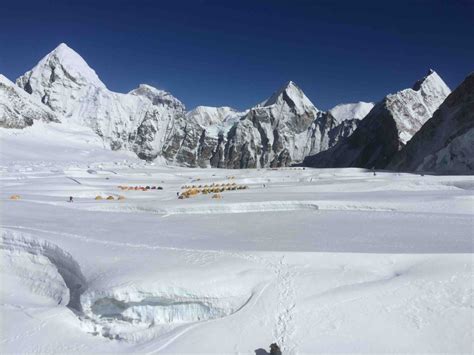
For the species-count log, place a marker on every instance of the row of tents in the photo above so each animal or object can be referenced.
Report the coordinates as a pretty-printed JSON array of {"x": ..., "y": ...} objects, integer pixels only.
[
  {"x": 139, "y": 188},
  {"x": 110, "y": 198},
  {"x": 213, "y": 185},
  {"x": 193, "y": 191}
]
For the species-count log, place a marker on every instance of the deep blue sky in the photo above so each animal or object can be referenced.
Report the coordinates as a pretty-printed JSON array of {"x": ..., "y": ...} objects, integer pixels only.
[{"x": 237, "y": 53}]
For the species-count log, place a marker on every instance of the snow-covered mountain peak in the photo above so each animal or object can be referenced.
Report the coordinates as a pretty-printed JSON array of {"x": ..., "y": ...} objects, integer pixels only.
[
  {"x": 62, "y": 63},
  {"x": 157, "y": 96},
  {"x": 291, "y": 95},
  {"x": 432, "y": 82},
  {"x": 412, "y": 107}
]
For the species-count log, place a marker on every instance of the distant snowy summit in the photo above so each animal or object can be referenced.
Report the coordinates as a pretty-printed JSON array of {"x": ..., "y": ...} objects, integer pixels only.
[{"x": 284, "y": 129}]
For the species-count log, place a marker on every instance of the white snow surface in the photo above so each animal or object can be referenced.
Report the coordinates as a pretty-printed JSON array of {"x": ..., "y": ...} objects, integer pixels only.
[
  {"x": 208, "y": 115},
  {"x": 216, "y": 120},
  {"x": 357, "y": 110},
  {"x": 317, "y": 260}
]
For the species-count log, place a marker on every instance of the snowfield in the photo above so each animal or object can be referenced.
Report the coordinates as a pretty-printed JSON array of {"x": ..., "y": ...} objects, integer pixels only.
[{"x": 316, "y": 260}]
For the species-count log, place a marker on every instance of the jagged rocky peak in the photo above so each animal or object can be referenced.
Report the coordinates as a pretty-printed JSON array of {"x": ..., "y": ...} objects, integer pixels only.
[
  {"x": 433, "y": 90},
  {"x": 292, "y": 96},
  {"x": 157, "y": 96},
  {"x": 445, "y": 142},
  {"x": 411, "y": 108},
  {"x": 62, "y": 64},
  {"x": 432, "y": 82}
]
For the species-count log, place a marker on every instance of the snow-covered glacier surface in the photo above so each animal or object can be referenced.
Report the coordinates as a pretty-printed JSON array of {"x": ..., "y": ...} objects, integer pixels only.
[{"x": 316, "y": 260}]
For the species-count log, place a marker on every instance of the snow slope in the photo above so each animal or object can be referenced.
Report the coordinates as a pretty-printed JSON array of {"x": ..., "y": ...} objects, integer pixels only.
[
  {"x": 18, "y": 109},
  {"x": 317, "y": 260},
  {"x": 351, "y": 111}
]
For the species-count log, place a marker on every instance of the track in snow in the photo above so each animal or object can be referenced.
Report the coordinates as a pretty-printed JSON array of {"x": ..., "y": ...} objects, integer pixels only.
[{"x": 285, "y": 327}]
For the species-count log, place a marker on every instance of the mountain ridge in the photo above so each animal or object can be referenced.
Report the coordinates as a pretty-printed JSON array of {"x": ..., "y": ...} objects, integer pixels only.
[{"x": 282, "y": 130}]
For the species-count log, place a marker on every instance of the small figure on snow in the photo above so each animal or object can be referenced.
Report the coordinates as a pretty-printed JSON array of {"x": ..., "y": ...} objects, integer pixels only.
[
  {"x": 275, "y": 349},
  {"x": 373, "y": 170},
  {"x": 70, "y": 199}
]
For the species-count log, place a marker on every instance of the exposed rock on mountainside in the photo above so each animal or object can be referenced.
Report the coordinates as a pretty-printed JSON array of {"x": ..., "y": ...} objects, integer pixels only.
[
  {"x": 445, "y": 143},
  {"x": 274, "y": 133},
  {"x": 387, "y": 128},
  {"x": 18, "y": 109}
]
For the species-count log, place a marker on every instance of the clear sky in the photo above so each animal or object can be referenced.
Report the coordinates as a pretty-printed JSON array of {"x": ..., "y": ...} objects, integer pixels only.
[{"x": 236, "y": 53}]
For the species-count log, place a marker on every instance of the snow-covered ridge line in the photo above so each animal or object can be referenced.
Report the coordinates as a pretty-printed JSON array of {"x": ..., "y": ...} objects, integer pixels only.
[
  {"x": 242, "y": 207},
  {"x": 285, "y": 129},
  {"x": 154, "y": 124}
]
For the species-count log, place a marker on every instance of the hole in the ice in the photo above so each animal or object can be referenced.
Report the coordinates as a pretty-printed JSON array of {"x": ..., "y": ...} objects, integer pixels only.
[{"x": 156, "y": 310}]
